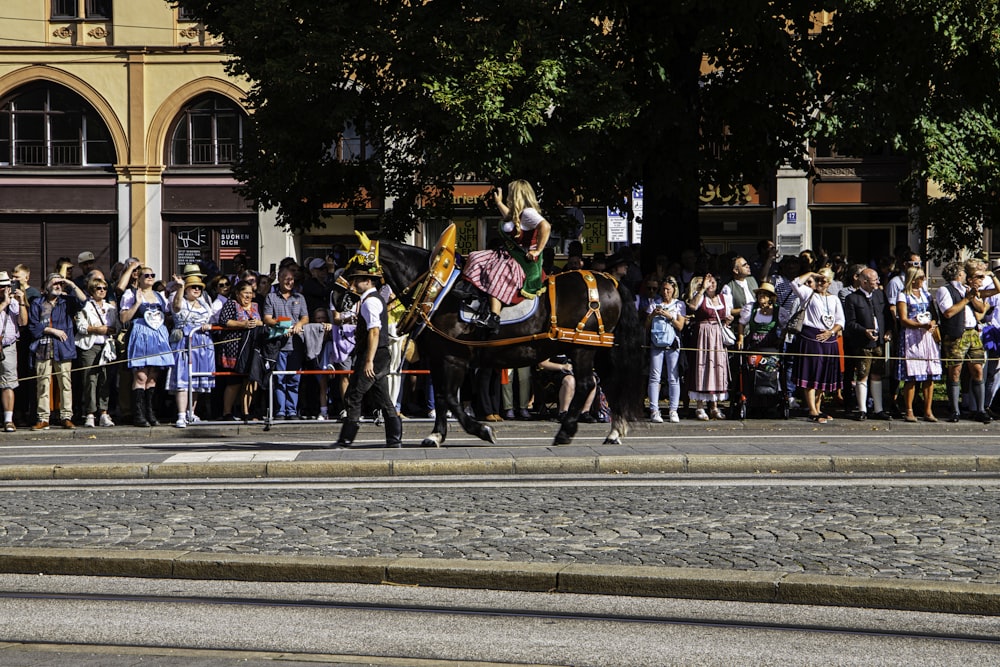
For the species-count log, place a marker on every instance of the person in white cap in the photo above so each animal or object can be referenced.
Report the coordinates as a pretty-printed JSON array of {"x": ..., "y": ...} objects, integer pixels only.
[
  {"x": 85, "y": 262},
  {"x": 316, "y": 288},
  {"x": 13, "y": 314}
]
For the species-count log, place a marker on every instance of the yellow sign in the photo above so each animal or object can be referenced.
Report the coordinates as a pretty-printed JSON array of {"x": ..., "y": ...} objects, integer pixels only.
[
  {"x": 466, "y": 236},
  {"x": 594, "y": 236}
]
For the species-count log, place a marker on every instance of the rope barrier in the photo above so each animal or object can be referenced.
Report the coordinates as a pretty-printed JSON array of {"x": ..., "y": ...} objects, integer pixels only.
[{"x": 784, "y": 353}]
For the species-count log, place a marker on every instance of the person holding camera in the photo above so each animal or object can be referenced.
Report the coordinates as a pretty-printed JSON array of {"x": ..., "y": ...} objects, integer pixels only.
[
  {"x": 709, "y": 371},
  {"x": 13, "y": 316},
  {"x": 50, "y": 321}
]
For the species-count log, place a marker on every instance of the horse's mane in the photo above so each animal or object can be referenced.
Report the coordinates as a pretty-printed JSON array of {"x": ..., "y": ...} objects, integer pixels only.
[{"x": 402, "y": 263}]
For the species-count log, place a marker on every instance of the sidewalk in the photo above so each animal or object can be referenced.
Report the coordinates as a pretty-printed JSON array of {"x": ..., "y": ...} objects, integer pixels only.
[{"x": 301, "y": 449}]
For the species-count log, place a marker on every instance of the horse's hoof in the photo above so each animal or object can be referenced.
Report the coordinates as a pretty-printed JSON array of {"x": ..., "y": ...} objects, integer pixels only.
[
  {"x": 562, "y": 439},
  {"x": 433, "y": 440},
  {"x": 612, "y": 441}
]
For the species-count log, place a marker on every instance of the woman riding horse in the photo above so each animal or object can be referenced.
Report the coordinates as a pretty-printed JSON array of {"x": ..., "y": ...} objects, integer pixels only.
[{"x": 513, "y": 267}]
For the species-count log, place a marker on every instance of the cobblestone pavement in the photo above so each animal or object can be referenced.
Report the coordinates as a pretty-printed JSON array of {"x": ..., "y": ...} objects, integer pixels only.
[{"x": 914, "y": 531}]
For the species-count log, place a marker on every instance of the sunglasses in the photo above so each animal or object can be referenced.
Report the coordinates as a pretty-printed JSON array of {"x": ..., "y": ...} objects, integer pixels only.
[
  {"x": 101, "y": 287},
  {"x": 149, "y": 275},
  {"x": 197, "y": 287},
  {"x": 223, "y": 285}
]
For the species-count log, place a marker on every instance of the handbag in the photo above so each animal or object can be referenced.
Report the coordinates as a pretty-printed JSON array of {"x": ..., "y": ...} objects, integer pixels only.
[
  {"x": 108, "y": 352},
  {"x": 798, "y": 318},
  {"x": 728, "y": 337}
]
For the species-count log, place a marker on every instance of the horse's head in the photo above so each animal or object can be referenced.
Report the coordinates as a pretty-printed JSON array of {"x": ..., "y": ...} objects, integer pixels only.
[{"x": 401, "y": 264}]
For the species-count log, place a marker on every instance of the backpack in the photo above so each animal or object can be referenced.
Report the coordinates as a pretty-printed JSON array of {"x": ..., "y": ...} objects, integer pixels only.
[{"x": 662, "y": 333}]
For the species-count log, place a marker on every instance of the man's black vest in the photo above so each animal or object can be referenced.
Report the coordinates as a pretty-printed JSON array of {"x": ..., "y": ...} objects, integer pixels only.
[
  {"x": 361, "y": 333},
  {"x": 953, "y": 327}
]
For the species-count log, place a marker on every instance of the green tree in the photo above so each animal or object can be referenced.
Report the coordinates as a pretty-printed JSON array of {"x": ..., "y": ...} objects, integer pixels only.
[
  {"x": 590, "y": 97},
  {"x": 586, "y": 98},
  {"x": 923, "y": 80}
]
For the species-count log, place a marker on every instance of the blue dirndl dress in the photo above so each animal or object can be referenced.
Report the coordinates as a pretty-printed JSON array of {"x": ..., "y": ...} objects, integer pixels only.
[
  {"x": 191, "y": 320},
  {"x": 149, "y": 345}
]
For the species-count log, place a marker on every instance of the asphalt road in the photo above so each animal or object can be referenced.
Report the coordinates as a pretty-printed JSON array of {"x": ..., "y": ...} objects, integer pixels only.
[{"x": 113, "y": 622}]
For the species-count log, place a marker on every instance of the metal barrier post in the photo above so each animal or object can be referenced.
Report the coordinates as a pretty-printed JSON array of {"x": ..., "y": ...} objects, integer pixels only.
[{"x": 189, "y": 412}]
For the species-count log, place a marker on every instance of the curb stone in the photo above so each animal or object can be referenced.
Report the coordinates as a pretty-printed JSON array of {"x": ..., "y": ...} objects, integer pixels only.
[
  {"x": 510, "y": 466},
  {"x": 641, "y": 581}
]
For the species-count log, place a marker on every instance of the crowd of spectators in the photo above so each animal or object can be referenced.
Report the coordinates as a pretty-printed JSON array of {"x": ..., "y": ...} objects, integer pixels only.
[
  {"x": 858, "y": 339},
  {"x": 854, "y": 338}
]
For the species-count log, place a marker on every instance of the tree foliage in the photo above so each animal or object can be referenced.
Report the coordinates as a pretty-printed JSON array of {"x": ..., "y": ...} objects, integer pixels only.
[
  {"x": 923, "y": 79},
  {"x": 589, "y": 97}
]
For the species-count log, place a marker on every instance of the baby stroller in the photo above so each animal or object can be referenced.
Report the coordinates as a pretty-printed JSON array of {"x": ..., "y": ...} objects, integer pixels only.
[{"x": 760, "y": 385}]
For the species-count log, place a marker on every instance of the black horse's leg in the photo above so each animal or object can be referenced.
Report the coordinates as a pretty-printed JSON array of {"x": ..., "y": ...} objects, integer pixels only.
[
  {"x": 447, "y": 379},
  {"x": 441, "y": 406},
  {"x": 454, "y": 378},
  {"x": 583, "y": 376}
]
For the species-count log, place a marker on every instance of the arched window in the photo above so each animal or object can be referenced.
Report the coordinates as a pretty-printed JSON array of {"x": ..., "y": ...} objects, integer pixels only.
[
  {"x": 46, "y": 125},
  {"x": 209, "y": 132}
]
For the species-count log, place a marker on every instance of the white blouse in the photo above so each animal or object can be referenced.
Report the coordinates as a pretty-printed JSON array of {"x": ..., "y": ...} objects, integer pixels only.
[{"x": 823, "y": 311}]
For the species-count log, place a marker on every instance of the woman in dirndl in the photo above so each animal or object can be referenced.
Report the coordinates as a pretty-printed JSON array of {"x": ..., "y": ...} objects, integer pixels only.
[
  {"x": 241, "y": 318},
  {"x": 515, "y": 266},
  {"x": 818, "y": 367},
  {"x": 709, "y": 374},
  {"x": 148, "y": 343},
  {"x": 921, "y": 362},
  {"x": 192, "y": 320}
]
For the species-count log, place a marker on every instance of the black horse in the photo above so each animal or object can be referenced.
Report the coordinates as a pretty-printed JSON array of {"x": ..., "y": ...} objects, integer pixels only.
[{"x": 454, "y": 344}]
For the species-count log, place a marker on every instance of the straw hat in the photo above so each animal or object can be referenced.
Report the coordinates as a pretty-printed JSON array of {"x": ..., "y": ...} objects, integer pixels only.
[
  {"x": 766, "y": 288},
  {"x": 193, "y": 281},
  {"x": 192, "y": 270}
]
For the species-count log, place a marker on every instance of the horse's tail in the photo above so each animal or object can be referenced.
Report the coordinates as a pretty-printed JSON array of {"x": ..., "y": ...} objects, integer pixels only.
[{"x": 619, "y": 366}]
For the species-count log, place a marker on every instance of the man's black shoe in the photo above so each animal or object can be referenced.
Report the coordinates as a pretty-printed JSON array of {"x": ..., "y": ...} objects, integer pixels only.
[
  {"x": 983, "y": 418},
  {"x": 954, "y": 418},
  {"x": 884, "y": 416},
  {"x": 862, "y": 416}
]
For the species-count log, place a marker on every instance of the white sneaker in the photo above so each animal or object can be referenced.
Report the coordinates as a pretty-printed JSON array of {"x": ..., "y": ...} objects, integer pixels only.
[
  {"x": 793, "y": 404},
  {"x": 106, "y": 420},
  {"x": 195, "y": 419},
  {"x": 89, "y": 422},
  {"x": 181, "y": 422},
  {"x": 322, "y": 417},
  {"x": 656, "y": 417},
  {"x": 700, "y": 415},
  {"x": 674, "y": 417}
]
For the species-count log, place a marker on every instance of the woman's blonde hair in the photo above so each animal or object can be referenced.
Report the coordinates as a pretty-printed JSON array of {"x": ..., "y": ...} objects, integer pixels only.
[
  {"x": 827, "y": 273},
  {"x": 520, "y": 195},
  {"x": 911, "y": 274}
]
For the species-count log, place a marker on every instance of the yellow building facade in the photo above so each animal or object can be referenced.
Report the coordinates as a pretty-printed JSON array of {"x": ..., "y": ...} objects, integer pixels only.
[{"x": 118, "y": 129}]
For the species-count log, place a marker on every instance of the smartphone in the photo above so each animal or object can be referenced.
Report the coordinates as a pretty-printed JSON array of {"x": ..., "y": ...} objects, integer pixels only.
[{"x": 274, "y": 267}]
